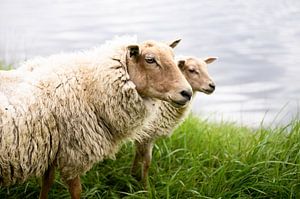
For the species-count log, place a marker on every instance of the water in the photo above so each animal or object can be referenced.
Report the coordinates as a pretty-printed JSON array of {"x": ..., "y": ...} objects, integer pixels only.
[{"x": 257, "y": 42}]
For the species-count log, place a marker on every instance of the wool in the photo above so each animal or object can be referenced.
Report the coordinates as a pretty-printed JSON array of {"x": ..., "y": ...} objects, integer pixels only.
[{"x": 68, "y": 110}]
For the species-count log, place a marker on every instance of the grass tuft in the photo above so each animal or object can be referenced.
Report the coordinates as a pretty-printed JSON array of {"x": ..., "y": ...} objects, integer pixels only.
[{"x": 4, "y": 66}]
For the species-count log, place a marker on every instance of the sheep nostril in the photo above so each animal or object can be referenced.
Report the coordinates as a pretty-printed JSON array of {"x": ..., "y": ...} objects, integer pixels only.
[
  {"x": 212, "y": 85},
  {"x": 186, "y": 94}
]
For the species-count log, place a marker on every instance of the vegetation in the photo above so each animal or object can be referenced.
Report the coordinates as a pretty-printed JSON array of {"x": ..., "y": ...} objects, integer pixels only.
[
  {"x": 201, "y": 160},
  {"x": 5, "y": 66}
]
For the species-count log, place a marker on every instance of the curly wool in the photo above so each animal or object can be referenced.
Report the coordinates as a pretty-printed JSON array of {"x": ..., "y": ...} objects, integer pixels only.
[
  {"x": 71, "y": 110},
  {"x": 166, "y": 119}
]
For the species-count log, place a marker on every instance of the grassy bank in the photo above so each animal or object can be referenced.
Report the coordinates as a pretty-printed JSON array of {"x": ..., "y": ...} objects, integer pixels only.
[
  {"x": 4, "y": 66},
  {"x": 201, "y": 160}
]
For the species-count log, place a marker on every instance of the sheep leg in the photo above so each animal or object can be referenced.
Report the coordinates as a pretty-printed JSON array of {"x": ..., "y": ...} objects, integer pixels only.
[
  {"x": 143, "y": 157},
  {"x": 135, "y": 168},
  {"x": 147, "y": 157},
  {"x": 74, "y": 186},
  {"x": 47, "y": 181}
]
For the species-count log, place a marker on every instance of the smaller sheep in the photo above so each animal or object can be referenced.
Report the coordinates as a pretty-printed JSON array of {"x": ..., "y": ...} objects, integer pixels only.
[{"x": 169, "y": 117}]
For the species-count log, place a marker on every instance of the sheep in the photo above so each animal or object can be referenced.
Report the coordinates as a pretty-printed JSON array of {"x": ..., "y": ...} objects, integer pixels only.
[
  {"x": 167, "y": 117},
  {"x": 69, "y": 111}
]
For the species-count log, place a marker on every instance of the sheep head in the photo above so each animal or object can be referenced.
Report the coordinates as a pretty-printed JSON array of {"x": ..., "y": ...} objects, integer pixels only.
[
  {"x": 195, "y": 71},
  {"x": 152, "y": 69}
]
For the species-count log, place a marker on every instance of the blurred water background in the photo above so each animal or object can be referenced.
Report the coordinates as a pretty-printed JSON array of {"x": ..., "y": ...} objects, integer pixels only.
[{"x": 257, "y": 42}]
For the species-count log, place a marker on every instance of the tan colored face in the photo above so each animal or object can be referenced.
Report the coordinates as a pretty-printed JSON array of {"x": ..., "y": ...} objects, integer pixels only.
[
  {"x": 195, "y": 71},
  {"x": 152, "y": 69}
]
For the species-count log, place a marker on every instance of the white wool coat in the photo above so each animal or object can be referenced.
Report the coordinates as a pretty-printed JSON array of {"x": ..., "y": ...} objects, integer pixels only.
[
  {"x": 70, "y": 110},
  {"x": 165, "y": 120}
]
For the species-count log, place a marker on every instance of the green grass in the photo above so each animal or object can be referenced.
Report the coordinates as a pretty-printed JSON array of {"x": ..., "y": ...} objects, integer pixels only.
[
  {"x": 4, "y": 66},
  {"x": 201, "y": 160}
]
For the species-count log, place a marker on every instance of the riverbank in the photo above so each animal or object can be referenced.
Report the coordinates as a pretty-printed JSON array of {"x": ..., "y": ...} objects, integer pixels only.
[{"x": 201, "y": 160}]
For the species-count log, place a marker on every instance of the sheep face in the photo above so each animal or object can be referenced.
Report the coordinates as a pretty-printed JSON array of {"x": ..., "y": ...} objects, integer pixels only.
[
  {"x": 195, "y": 71},
  {"x": 152, "y": 69}
]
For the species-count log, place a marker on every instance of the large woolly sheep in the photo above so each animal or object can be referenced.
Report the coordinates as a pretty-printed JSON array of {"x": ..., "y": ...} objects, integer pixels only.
[
  {"x": 70, "y": 111},
  {"x": 167, "y": 117}
]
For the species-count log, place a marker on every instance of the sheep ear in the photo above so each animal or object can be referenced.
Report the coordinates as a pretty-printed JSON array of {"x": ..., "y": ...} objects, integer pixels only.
[
  {"x": 173, "y": 44},
  {"x": 181, "y": 63},
  {"x": 134, "y": 50},
  {"x": 209, "y": 60}
]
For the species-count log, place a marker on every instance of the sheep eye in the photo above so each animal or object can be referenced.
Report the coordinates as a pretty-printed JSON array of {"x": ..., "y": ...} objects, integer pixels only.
[
  {"x": 192, "y": 70},
  {"x": 149, "y": 59}
]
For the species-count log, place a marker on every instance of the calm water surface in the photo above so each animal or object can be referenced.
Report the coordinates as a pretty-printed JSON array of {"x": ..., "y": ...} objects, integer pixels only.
[{"x": 257, "y": 42}]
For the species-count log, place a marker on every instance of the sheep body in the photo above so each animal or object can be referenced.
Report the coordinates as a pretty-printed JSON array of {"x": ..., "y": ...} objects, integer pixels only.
[
  {"x": 167, "y": 118},
  {"x": 70, "y": 110}
]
